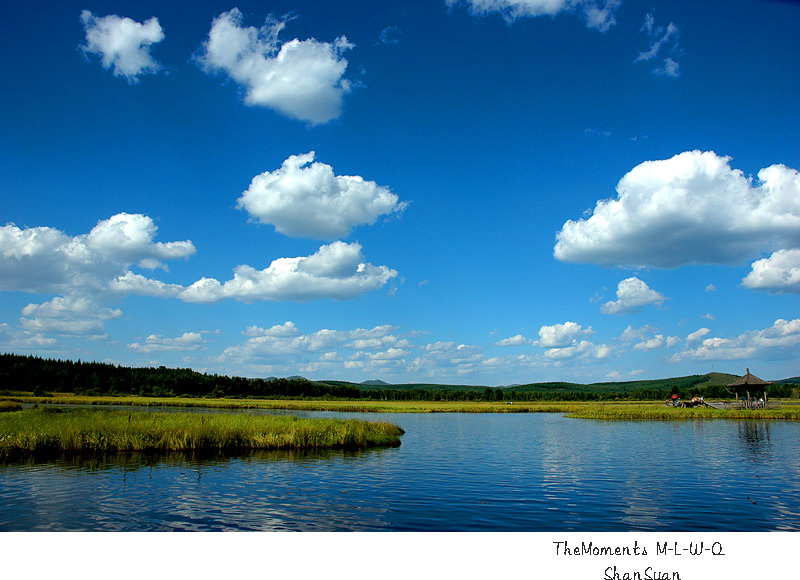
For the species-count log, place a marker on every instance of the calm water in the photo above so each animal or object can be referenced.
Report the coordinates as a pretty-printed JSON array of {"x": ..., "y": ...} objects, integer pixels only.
[{"x": 453, "y": 472}]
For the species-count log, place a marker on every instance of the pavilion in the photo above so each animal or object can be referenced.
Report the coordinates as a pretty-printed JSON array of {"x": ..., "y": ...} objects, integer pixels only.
[{"x": 747, "y": 382}]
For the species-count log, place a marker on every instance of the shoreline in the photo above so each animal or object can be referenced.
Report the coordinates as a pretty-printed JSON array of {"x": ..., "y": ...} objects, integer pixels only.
[{"x": 607, "y": 410}]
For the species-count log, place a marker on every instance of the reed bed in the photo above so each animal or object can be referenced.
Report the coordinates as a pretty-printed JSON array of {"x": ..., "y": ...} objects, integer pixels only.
[
  {"x": 7, "y": 406},
  {"x": 658, "y": 412},
  {"x": 350, "y": 406},
  {"x": 43, "y": 431},
  {"x": 620, "y": 410}
]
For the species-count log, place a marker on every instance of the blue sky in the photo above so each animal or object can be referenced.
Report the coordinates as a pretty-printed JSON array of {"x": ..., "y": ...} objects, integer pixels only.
[{"x": 476, "y": 191}]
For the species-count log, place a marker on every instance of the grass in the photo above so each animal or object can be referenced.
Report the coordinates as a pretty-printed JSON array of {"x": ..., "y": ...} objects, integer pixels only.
[
  {"x": 35, "y": 432},
  {"x": 645, "y": 411},
  {"x": 359, "y": 406},
  {"x": 621, "y": 410},
  {"x": 7, "y": 406}
]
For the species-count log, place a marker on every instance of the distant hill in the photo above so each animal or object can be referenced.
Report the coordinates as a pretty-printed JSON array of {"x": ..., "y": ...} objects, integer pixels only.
[
  {"x": 792, "y": 381},
  {"x": 720, "y": 379},
  {"x": 25, "y": 373}
]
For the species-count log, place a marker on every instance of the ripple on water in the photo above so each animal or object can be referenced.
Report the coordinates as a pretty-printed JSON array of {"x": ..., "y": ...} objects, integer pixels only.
[{"x": 520, "y": 472}]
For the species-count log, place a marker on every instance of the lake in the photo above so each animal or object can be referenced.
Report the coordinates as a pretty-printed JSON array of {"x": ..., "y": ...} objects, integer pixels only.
[{"x": 453, "y": 472}]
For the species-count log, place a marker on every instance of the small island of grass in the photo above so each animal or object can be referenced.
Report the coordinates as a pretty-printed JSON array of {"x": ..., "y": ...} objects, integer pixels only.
[{"x": 36, "y": 432}]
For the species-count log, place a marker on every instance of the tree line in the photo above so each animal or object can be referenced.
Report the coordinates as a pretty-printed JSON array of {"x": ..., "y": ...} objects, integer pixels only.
[{"x": 43, "y": 376}]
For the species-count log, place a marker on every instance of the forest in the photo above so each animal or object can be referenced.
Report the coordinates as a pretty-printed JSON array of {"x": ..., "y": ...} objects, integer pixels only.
[{"x": 40, "y": 376}]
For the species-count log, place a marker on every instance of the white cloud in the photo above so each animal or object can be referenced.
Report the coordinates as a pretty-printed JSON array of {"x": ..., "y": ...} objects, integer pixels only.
[
  {"x": 630, "y": 333},
  {"x": 563, "y": 343},
  {"x": 305, "y": 199},
  {"x": 658, "y": 341},
  {"x": 717, "y": 349},
  {"x": 669, "y": 68},
  {"x": 45, "y": 260},
  {"x": 783, "y": 333},
  {"x": 558, "y": 335},
  {"x": 154, "y": 343},
  {"x": 122, "y": 44},
  {"x": 697, "y": 335},
  {"x": 390, "y": 35},
  {"x": 663, "y": 39},
  {"x": 288, "y": 348},
  {"x": 778, "y": 273},
  {"x": 288, "y": 328},
  {"x": 690, "y": 209},
  {"x": 598, "y": 14},
  {"x": 632, "y": 295},
  {"x": 513, "y": 341},
  {"x": 336, "y": 271},
  {"x": 443, "y": 358},
  {"x": 579, "y": 350},
  {"x": 75, "y": 316},
  {"x": 13, "y": 339},
  {"x": 301, "y": 79},
  {"x": 781, "y": 339},
  {"x": 131, "y": 283}
]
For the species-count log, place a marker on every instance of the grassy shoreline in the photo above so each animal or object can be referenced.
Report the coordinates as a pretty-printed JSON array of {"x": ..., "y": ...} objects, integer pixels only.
[
  {"x": 38, "y": 431},
  {"x": 619, "y": 410}
]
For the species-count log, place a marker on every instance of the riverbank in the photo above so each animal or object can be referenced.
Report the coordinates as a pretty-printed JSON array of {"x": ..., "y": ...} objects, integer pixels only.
[
  {"x": 42, "y": 431},
  {"x": 619, "y": 410}
]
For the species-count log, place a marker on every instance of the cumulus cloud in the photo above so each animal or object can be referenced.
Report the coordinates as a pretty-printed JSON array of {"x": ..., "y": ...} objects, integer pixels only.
[
  {"x": 657, "y": 342},
  {"x": 122, "y": 44},
  {"x": 697, "y": 335},
  {"x": 513, "y": 341},
  {"x": 285, "y": 346},
  {"x": 690, "y": 209},
  {"x": 558, "y": 335},
  {"x": 663, "y": 40},
  {"x": 579, "y": 350},
  {"x": 73, "y": 316},
  {"x": 45, "y": 260},
  {"x": 443, "y": 358},
  {"x": 779, "y": 340},
  {"x": 12, "y": 339},
  {"x": 564, "y": 342},
  {"x": 337, "y": 271},
  {"x": 779, "y": 273},
  {"x": 154, "y": 343},
  {"x": 632, "y": 295},
  {"x": 305, "y": 198},
  {"x": 300, "y": 79},
  {"x": 131, "y": 283},
  {"x": 597, "y": 14},
  {"x": 288, "y": 328},
  {"x": 632, "y": 334}
]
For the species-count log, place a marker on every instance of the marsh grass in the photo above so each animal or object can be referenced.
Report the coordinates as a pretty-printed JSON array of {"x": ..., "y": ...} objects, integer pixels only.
[
  {"x": 351, "y": 406},
  {"x": 658, "y": 412},
  {"x": 7, "y": 406},
  {"x": 620, "y": 410},
  {"x": 44, "y": 431}
]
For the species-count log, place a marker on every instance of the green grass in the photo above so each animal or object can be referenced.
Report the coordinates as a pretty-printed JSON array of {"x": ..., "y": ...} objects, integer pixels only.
[
  {"x": 623, "y": 410},
  {"x": 6, "y": 406},
  {"x": 355, "y": 406},
  {"x": 639, "y": 411},
  {"x": 44, "y": 431}
]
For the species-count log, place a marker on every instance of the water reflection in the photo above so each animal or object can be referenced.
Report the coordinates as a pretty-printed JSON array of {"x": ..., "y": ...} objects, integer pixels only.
[
  {"x": 521, "y": 472},
  {"x": 755, "y": 437},
  {"x": 131, "y": 461}
]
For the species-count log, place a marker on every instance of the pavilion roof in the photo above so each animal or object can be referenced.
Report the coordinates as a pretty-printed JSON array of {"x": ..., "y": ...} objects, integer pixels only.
[{"x": 748, "y": 379}]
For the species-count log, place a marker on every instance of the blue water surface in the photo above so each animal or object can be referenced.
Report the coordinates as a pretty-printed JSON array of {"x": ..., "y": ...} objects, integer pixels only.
[{"x": 453, "y": 472}]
